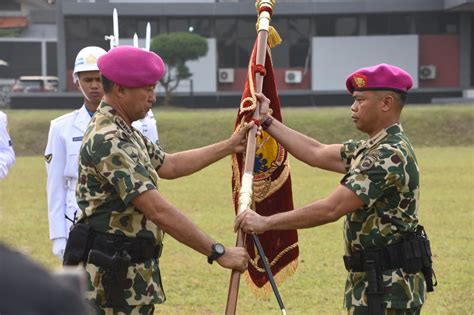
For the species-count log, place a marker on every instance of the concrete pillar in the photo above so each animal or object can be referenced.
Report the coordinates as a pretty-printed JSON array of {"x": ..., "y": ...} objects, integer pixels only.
[
  {"x": 44, "y": 59},
  {"x": 362, "y": 25},
  {"x": 61, "y": 47},
  {"x": 465, "y": 42}
]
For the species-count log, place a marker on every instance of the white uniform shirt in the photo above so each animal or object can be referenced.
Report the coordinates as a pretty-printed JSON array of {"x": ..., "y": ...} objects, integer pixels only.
[
  {"x": 62, "y": 162},
  {"x": 7, "y": 155}
]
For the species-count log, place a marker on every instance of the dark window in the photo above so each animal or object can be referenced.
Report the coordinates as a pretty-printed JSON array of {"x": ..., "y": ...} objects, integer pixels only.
[
  {"x": 77, "y": 28},
  {"x": 127, "y": 27},
  {"x": 226, "y": 54},
  {"x": 200, "y": 26},
  {"x": 244, "y": 50},
  {"x": 154, "y": 29},
  {"x": 428, "y": 23},
  {"x": 325, "y": 25},
  {"x": 437, "y": 23},
  {"x": 98, "y": 27},
  {"x": 299, "y": 53},
  {"x": 382, "y": 24},
  {"x": 377, "y": 24},
  {"x": 24, "y": 58},
  {"x": 296, "y": 34},
  {"x": 451, "y": 23},
  {"x": 226, "y": 42},
  {"x": 10, "y": 5},
  {"x": 52, "y": 58},
  {"x": 177, "y": 25},
  {"x": 346, "y": 26},
  {"x": 246, "y": 28}
]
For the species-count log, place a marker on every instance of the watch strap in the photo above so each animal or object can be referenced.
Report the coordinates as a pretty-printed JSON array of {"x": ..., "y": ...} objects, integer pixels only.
[{"x": 267, "y": 122}]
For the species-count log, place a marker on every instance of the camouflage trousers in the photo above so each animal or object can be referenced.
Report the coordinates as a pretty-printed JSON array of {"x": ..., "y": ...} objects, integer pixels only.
[
  {"x": 124, "y": 310},
  {"x": 364, "y": 310}
]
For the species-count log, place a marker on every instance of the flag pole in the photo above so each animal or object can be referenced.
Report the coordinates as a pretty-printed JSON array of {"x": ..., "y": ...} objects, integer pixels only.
[{"x": 264, "y": 8}]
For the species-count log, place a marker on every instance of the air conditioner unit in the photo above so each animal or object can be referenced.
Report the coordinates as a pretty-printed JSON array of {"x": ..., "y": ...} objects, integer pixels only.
[
  {"x": 226, "y": 75},
  {"x": 293, "y": 76},
  {"x": 427, "y": 72}
]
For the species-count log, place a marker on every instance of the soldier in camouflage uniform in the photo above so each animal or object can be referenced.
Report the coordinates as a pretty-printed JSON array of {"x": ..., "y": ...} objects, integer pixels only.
[
  {"x": 123, "y": 214},
  {"x": 378, "y": 194}
]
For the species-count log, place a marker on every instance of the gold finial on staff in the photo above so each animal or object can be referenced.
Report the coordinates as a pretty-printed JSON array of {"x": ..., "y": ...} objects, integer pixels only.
[{"x": 264, "y": 11}]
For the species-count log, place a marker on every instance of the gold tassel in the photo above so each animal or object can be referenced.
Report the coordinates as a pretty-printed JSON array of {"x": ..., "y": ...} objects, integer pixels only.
[
  {"x": 274, "y": 38},
  {"x": 266, "y": 291}
]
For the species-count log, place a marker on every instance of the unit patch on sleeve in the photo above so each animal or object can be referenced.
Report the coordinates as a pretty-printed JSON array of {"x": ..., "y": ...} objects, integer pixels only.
[{"x": 48, "y": 158}]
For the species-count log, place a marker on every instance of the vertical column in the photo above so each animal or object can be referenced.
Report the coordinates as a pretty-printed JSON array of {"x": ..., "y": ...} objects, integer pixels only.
[
  {"x": 61, "y": 47},
  {"x": 44, "y": 59},
  {"x": 362, "y": 24},
  {"x": 465, "y": 43}
]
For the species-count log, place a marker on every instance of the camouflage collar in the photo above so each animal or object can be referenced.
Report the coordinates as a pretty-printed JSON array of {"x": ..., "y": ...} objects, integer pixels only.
[
  {"x": 391, "y": 130},
  {"x": 108, "y": 111}
]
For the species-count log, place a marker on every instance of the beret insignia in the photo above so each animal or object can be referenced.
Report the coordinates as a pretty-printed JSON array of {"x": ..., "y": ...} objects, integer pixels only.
[{"x": 360, "y": 80}]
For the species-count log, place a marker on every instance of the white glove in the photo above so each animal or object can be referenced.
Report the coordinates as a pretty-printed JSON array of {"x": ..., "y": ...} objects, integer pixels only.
[{"x": 59, "y": 244}]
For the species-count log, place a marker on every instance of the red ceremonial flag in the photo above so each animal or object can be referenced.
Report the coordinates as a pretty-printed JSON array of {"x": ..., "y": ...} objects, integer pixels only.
[{"x": 272, "y": 182}]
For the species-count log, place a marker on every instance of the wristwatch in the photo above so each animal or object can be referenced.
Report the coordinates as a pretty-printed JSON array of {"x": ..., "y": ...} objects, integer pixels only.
[
  {"x": 217, "y": 251},
  {"x": 267, "y": 122}
]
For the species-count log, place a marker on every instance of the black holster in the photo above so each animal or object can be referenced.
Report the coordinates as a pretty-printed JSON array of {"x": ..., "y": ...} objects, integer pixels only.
[
  {"x": 426, "y": 260},
  {"x": 113, "y": 271},
  {"x": 412, "y": 253},
  {"x": 375, "y": 288},
  {"x": 78, "y": 244}
]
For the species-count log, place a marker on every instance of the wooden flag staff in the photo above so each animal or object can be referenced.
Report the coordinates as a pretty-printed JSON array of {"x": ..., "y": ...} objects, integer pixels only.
[{"x": 264, "y": 8}]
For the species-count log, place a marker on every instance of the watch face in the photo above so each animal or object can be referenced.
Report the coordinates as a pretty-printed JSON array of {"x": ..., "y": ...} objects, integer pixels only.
[{"x": 219, "y": 248}]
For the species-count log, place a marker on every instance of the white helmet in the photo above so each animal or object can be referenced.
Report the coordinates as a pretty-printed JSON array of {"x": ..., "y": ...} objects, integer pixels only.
[{"x": 86, "y": 60}]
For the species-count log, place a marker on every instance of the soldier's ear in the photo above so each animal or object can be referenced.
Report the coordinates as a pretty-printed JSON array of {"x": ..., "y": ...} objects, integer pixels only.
[
  {"x": 388, "y": 102},
  {"x": 78, "y": 86},
  {"x": 119, "y": 90}
]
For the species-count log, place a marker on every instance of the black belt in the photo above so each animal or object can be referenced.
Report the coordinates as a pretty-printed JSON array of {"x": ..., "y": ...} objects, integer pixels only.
[
  {"x": 139, "y": 249},
  {"x": 410, "y": 254},
  {"x": 389, "y": 257}
]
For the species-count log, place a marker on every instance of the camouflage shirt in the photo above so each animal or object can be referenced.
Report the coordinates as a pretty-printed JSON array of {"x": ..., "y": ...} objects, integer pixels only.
[
  {"x": 116, "y": 164},
  {"x": 383, "y": 172}
]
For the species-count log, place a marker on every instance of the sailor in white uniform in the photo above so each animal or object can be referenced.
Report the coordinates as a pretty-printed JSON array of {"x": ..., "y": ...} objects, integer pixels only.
[
  {"x": 7, "y": 155},
  {"x": 64, "y": 141}
]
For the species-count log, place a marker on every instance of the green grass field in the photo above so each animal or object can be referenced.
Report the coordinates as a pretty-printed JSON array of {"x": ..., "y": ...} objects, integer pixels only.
[{"x": 443, "y": 142}]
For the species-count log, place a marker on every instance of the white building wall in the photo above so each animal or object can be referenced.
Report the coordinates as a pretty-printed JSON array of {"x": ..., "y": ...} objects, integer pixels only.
[{"x": 334, "y": 58}]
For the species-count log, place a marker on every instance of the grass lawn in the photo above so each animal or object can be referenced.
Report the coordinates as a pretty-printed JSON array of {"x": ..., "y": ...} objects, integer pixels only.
[{"x": 195, "y": 287}]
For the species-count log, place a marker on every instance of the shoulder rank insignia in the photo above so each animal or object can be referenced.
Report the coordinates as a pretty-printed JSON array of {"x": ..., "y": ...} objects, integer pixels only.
[
  {"x": 48, "y": 158},
  {"x": 367, "y": 163}
]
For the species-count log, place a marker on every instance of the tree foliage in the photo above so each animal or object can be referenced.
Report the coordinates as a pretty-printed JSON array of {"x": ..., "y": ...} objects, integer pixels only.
[{"x": 175, "y": 49}]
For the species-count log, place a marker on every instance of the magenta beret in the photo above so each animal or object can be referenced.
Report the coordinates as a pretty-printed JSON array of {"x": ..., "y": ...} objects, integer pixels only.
[
  {"x": 379, "y": 77},
  {"x": 131, "y": 67}
]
